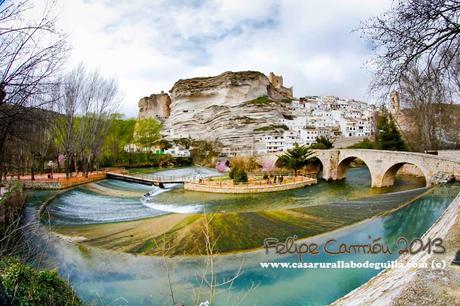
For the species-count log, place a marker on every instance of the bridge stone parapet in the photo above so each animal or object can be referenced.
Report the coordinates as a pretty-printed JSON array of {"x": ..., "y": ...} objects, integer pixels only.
[{"x": 383, "y": 165}]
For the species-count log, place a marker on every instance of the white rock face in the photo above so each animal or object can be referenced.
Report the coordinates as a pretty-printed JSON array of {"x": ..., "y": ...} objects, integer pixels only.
[
  {"x": 155, "y": 106},
  {"x": 233, "y": 108}
]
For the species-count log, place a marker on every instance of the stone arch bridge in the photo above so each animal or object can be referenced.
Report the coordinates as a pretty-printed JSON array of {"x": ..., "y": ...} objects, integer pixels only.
[{"x": 383, "y": 165}]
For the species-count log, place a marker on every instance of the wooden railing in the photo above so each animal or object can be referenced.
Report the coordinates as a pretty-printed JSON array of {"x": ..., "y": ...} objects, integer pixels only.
[{"x": 61, "y": 182}]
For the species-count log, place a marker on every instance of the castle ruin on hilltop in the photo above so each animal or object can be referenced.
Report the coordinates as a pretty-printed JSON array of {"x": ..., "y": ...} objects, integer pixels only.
[{"x": 277, "y": 82}]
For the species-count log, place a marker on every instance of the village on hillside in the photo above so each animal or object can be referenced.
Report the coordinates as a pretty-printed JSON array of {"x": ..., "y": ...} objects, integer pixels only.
[{"x": 297, "y": 120}]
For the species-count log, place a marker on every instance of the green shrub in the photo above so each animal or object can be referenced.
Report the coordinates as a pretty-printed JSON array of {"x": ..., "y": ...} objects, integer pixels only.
[
  {"x": 24, "y": 285},
  {"x": 388, "y": 135},
  {"x": 205, "y": 153},
  {"x": 260, "y": 101},
  {"x": 272, "y": 128},
  {"x": 365, "y": 144},
  {"x": 240, "y": 176},
  {"x": 182, "y": 161},
  {"x": 319, "y": 146},
  {"x": 231, "y": 174},
  {"x": 11, "y": 207},
  {"x": 322, "y": 143},
  {"x": 286, "y": 100}
]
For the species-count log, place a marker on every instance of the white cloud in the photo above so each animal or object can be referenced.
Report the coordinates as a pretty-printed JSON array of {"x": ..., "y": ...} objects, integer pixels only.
[{"x": 148, "y": 45}]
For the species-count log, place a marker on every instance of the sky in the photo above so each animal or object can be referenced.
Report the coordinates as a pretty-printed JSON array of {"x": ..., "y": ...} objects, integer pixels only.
[{"x": 149, "y": 45}]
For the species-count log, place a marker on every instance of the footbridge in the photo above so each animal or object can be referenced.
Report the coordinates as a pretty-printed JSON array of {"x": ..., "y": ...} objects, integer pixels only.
[
  {"x": 383, "y": 165},
  {"x": 150, "y": 180}
]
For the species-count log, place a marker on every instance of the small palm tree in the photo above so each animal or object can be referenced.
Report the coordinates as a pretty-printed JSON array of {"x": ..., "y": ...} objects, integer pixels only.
[{"x": 295, "y": 158}]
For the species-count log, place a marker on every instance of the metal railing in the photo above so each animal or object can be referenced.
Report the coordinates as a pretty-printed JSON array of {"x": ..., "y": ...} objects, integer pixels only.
[{"x": 258, "y": 183}]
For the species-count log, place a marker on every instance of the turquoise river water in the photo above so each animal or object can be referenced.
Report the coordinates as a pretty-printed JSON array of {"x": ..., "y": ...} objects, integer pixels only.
[{"x": 116, "y": 278}]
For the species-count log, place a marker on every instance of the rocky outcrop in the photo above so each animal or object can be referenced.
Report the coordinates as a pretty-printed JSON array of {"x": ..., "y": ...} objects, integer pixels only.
[
  {"x": 155, "y": 106},
  {"x": 233, "y": 108},
  {"x": 442, "y": 178}
]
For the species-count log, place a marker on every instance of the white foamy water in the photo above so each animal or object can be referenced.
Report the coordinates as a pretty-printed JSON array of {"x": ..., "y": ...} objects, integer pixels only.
[
  {"x": 182, "y": 209},
  {"x": 149, "y": 201},
  {"x": 80, "y": 207}
]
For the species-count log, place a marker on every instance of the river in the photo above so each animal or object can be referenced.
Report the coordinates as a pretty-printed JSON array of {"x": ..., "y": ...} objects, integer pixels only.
[{"x": 108, "y": 216}]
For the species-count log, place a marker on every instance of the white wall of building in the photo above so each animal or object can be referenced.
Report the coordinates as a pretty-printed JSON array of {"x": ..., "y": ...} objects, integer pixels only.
[{"x": 322, "y": 116}]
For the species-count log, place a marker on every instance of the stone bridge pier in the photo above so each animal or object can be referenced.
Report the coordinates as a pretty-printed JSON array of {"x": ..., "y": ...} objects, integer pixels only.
[{"x": 383, "y": 165}]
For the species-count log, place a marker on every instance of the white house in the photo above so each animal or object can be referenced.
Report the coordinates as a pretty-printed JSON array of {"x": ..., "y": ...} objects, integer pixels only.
[
  {"x": 326, "y": 116},
  {"x": 177, "y": 151}
]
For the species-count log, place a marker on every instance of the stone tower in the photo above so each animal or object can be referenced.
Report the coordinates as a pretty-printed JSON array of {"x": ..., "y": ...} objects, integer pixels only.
[
  {"x": 394, "y": 102},
  {"x": 277, "y": 82}
]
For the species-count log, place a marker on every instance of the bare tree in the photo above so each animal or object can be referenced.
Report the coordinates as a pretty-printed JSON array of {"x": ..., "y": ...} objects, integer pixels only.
[
  {"x": 68, "y": 95},
  {"x": 30, "y": 142},
  {"x": 100, "y": 103},
  {"x": 210, "y": 285},
  {"x": 416, "y": 46},
  {"x": 451, "y": 117},
  {"x": 165, "y": 249},
  {"x": 31, "y": 54},
  {"x": 422, "y": 92},
  {"x": 414, "y": 33},
  {"x": 87, "y": 102}
]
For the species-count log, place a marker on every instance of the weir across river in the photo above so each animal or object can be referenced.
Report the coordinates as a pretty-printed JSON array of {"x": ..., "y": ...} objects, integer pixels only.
[{"x": 150, "y": 180}]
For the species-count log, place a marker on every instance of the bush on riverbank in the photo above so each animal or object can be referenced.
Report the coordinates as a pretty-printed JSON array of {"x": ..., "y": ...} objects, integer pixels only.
[
  {"x": 11, "y": 206},
  {"x": 364, "y": 144},
  {"x": 22, "y": 285},
  {"x": 238, "y": 175},
  {"x": 19, "y": 283},
  {"x": 205, "y": 153}
]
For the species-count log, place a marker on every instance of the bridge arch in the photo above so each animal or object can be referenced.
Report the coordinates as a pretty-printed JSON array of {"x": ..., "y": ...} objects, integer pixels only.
[
  {"x": 389, "y": 174},
  {"x": 327, "y": 162},
  {"x": 344, "y": 165},
  {"x": 317, "y": 165},
  {"x": 383, "y": 165}
]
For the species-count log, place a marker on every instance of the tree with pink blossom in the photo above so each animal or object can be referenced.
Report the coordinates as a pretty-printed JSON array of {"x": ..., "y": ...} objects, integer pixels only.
[
  {"x": 268, "y": 163},
  {"x": 222, "y": 166}
]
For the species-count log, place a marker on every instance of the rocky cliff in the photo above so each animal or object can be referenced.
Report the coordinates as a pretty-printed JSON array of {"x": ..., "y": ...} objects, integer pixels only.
[
  {"x": 235, "y": 108},
  {"x": 155, "y": 106}
]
